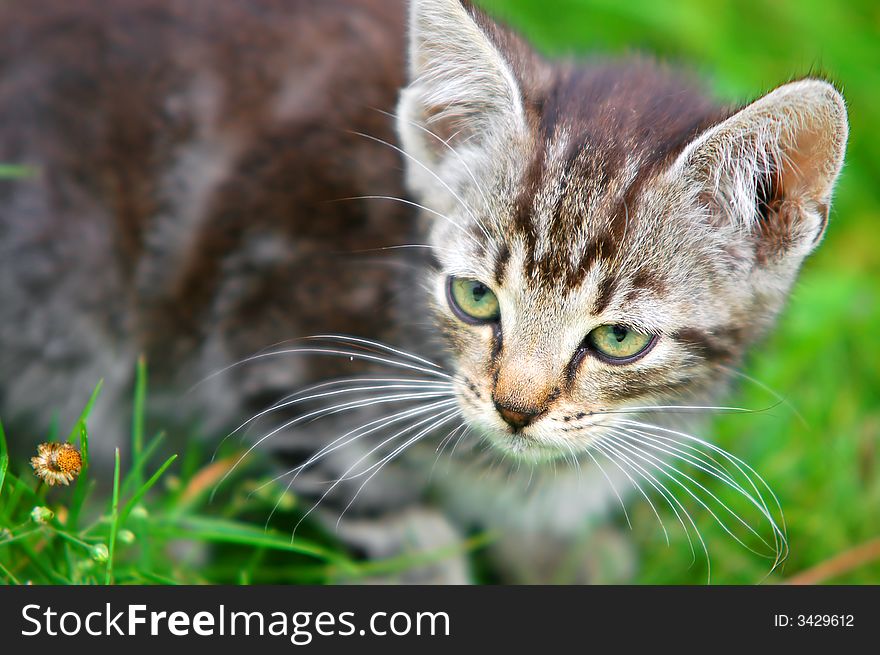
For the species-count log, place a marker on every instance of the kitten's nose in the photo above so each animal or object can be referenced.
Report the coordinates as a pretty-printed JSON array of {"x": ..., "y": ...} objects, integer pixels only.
[{"x": 517, "y": 418}]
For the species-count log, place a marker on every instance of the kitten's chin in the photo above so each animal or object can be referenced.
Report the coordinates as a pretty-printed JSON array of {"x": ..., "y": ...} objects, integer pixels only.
[{"x": 521, "y": 446}]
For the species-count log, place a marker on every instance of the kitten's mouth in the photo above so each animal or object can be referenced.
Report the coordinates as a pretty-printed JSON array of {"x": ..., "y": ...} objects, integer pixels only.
[
  {"x": 525, "y": 443},
  {"x": 521, "y": 445}
]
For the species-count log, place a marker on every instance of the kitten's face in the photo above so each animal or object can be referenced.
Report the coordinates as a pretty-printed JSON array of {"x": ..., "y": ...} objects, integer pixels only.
[
  {"x": 599, "y": 249},
  {"x": 610, "y": 310}
]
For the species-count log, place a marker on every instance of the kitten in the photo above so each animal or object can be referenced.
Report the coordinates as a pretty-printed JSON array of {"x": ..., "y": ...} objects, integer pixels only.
[{"x": 601, "y": 242}]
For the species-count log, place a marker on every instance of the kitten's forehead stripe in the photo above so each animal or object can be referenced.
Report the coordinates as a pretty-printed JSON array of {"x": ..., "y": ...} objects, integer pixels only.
[
  {"x": 648, "y": 280},
  {"x": 607, "y": 286},
  {"x": 602, "y": 135},
  {"x": 523, "y": 224},
  {"x": 501, "y": 263},
  {"x": 599, "y": 247}
]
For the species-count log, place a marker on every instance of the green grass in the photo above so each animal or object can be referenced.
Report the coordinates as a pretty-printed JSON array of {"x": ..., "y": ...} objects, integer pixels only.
[
  {"x": 164, "y": 529},
  {"x": 824, "y": 359}
]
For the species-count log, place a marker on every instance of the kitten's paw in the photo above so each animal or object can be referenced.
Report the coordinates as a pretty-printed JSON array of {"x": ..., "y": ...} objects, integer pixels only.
[
  {"x": 424, "y": 535},
  {"x": 600, "y": 556}
]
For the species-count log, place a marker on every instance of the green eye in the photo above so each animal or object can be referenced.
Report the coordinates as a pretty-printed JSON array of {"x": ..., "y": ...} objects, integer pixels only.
[
  {"x": 618, "y": 343},
  {"x": 472, "y": 301}
]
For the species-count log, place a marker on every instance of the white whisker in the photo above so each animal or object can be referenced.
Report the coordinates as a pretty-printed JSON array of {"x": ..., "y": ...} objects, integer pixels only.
[
  {"x": 352, "y": 436},
  {"x": 375, "y": 344},
  {"x": 442, "y": 446},
  {"x": 664, "y": 445},
  {"x": 355, "y": 434},
  {"x": 613, "y": 488},
  {"x": 380, "y": 465},
  {"x": 404, "y": 201},
  {"x": 674, "y": 408},
  {"x": 696, "y": 458},
  {"x": 335, "y": 409},
  {"x": 668, "y": 470},
  {"x": 353, "y": 476},
  {"x": 670, "y": 499},
  {"x": 351, "y": 354},
  {"x": 779, "y": 397},
  {"x": 779, "y": 531},
  {"x": 738, "y": 463},
  {"x": 437, "y": 386},
  {"x": 463, "y": 204},
  {"x": 350, "y": 468},
  {"x": 599, "y": 445},
  {"x": 443, "y": 141}
]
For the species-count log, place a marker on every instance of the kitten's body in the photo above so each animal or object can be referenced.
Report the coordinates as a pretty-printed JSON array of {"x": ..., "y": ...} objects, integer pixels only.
[
  {"x": 188, "y": 159},
  {"x": 193, "y": 161}
]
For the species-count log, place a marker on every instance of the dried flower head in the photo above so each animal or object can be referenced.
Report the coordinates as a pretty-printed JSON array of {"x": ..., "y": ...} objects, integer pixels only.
[{"x": 57, "y": 463}]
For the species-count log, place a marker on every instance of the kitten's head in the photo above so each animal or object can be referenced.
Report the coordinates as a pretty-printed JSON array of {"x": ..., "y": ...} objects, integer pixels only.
[{"x": 606, "y": 237}]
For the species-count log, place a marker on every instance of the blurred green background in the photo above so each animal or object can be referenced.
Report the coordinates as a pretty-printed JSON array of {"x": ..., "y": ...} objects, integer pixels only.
[{"x": 824, "y": 358}]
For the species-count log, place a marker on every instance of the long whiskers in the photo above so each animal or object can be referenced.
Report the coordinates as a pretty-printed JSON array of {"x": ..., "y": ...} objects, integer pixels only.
[
  {"x": 613, "y": 487},
  {"x": 711, "y": 466},
  {"x": 442, "y": 182},
  {"x": 674, "y": 504},
  {"x": 779, "y": 397},
  {"x": 672, "y": 472},
  {"x": 372, "y": 384},
  {"x": 335, "y": 409},
  {"x": 672, "y": 409},
  {"x": 411, "y": 203},
  {"x": 352, "y": 353},
  {"x": 358, "y": 433},
  {"x": 382, "y": 347},
  {"x": 348, "y": 471},
  {"x": 350, "y": 437},
  {"x": 444, "y": 418},
  {"x": 638, "y": 438},
  {"x": 445, "y": 143}
]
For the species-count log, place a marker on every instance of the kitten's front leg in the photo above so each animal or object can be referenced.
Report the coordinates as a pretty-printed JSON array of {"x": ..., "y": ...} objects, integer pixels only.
[
  {"x": 372, "y": 503},
  {"x": 422, "y": 533},
  {"x": 546, "y": 528},
  {"x": 601, "y": 555}
]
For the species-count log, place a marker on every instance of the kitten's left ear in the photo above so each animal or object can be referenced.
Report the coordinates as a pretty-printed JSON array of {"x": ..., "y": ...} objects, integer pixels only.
[
  {"x": 771, "y": 167},
  {"x": 462, "y": 91}
]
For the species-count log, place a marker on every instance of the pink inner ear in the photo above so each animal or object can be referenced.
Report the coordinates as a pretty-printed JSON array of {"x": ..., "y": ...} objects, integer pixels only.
[{"x": 805, "y": 165}]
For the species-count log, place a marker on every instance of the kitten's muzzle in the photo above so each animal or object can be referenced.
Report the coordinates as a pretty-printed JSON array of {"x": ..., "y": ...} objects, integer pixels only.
[{"x": 517, "y": 418}]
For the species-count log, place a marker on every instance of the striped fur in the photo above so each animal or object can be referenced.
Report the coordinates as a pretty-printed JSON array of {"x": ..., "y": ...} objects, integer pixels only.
[{"x": 626, "y": 196}]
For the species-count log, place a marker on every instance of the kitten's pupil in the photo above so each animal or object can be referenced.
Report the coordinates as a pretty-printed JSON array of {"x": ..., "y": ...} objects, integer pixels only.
[
  {"x": 620, "y": 333},
  {"x": 479, "y": 291}
]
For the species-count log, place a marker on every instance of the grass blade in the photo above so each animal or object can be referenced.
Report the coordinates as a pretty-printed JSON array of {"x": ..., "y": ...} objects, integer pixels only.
[
  {"x": 137, "y": 466},
  {"x": 75, "y": 432},
  {"x": 233, "y": 532},
  {"x": 16, "y": 171},
  {"x": 4, "y": 457},
  {"x": 130, "y": 505},
  {"x": 137, "y": 418},
  {"x": 9, "y": 575},
  {"x": 114, "y": 521},
  {"x": 83, "y": 483}
]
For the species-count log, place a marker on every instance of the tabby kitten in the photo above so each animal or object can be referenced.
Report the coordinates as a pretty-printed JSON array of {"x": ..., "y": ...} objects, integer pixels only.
[{"x": 587, "y": 250}]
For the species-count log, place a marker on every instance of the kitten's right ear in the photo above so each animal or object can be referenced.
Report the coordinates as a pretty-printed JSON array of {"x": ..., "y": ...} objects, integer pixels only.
[
  {"x": 771, "y": 167},
  {"x": 462, "y": 93}
]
